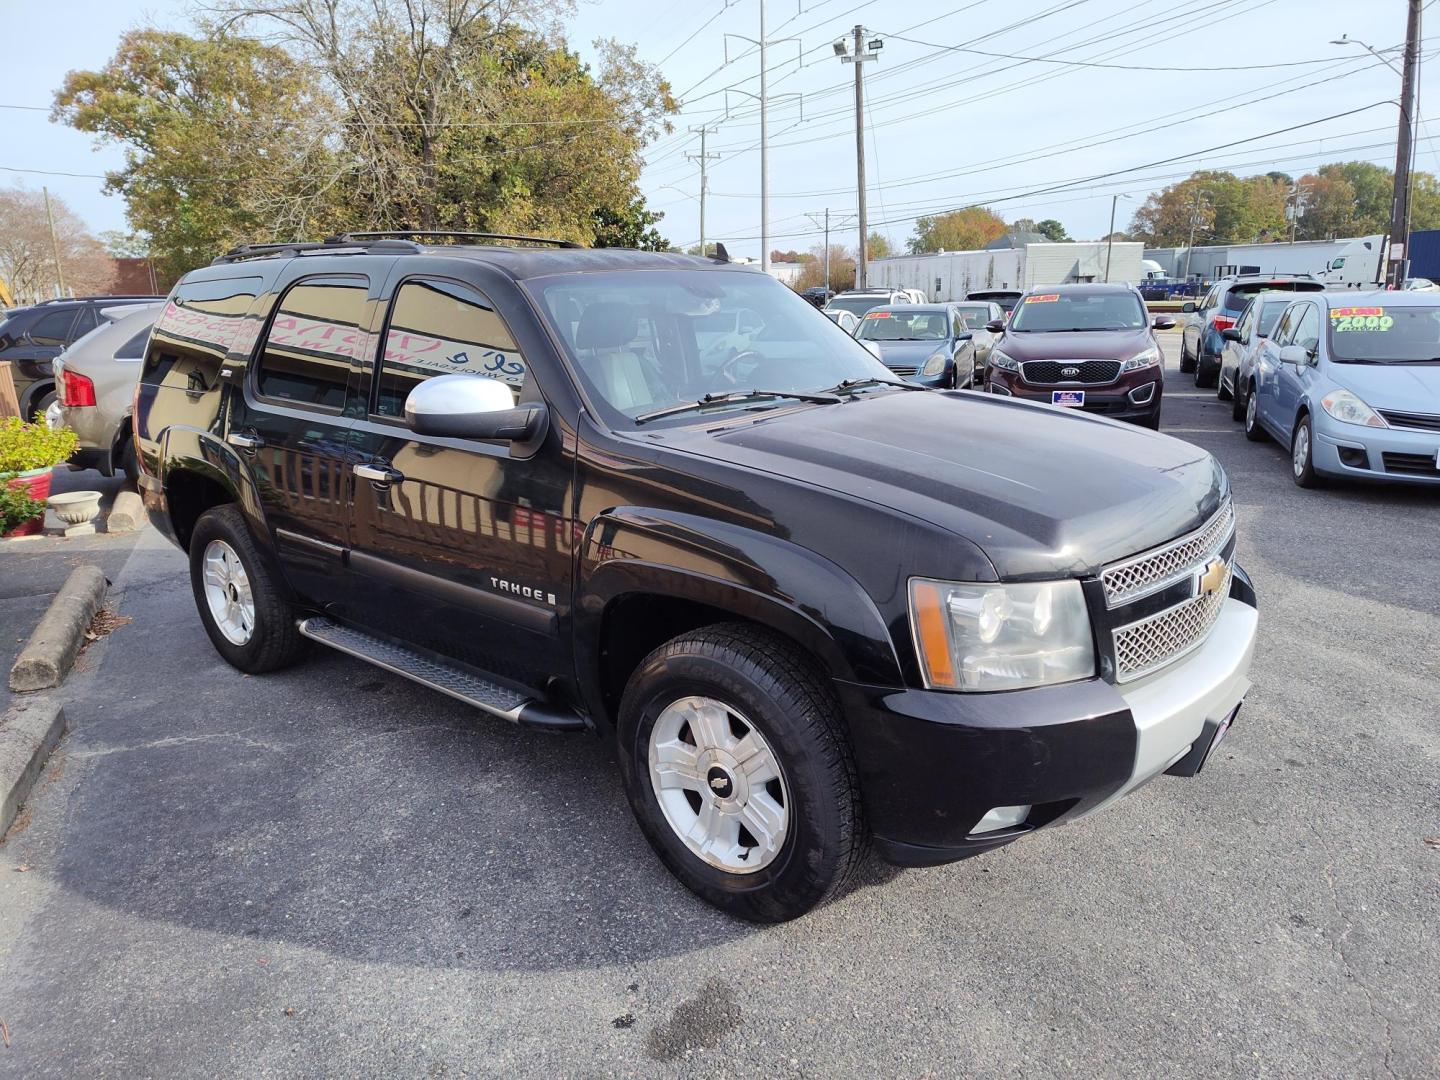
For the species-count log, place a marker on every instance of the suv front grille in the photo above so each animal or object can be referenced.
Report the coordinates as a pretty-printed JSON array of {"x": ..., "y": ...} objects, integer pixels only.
[
  {"x": 1153, "y": 570},
  {"x": 1419, "y": 421},
  {"x": 1151, "y": 643},
  {"x": 1086, "y": 371}
]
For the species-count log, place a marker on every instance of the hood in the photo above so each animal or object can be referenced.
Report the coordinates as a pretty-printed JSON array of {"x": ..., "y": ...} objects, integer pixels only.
[
  {"x": 909, "y": 353},
  {"x": 1043, "y": 492},
  {"x": 1413, "y": 388},
  {"x": 1086, "y": 345}
]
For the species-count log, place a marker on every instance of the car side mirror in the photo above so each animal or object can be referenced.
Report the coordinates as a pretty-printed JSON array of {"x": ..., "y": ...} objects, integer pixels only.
[
  {"x": 1294, "y": 354},
  {"x": 1162, "y": 322},
  {"x": 1188, "y": 308},
  {"x": 1231, "y": 334},
  {"x": 996, "y": 326},
  {"x": 471, "y": 407},
  {"x": 965, "y": 335}
]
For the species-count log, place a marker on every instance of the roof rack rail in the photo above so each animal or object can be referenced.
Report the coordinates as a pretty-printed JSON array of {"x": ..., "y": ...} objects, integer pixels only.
[
  {"x": 94, "y": 296},
  {"x": 408, "y": 234},
  {"x": 305, "y": 247}
]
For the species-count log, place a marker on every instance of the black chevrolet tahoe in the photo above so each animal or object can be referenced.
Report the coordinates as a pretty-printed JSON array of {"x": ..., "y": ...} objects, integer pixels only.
[{"x": 817, "y": 609}]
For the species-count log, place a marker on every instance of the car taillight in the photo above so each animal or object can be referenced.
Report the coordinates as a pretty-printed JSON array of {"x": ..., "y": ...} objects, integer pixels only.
[
  {"x": 1223, "y": 323},
  {"x": 76, "y": 390}
]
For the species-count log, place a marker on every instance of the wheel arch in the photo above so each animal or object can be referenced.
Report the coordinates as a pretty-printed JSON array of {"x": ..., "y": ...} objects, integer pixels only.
[{"x": 199, "y": 472}]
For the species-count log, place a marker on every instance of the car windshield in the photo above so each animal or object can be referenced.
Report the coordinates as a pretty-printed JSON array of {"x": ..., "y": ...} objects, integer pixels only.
[
  {"x": 974, "y": 315},
  {"x": 885, "y": 325},
  {"x": 643, "y": 342},
  {"x": 1051, "y": 312},
  {"x": 1383, "y": 334},
  {"x": 857, "y": 305}
]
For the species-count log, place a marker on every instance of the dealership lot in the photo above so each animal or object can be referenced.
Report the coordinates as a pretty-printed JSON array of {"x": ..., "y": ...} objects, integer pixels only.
[{"x": 332, "y": 871}]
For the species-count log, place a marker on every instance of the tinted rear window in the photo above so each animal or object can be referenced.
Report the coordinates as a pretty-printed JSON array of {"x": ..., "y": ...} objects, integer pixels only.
[{"x": 1237, "y": 296}]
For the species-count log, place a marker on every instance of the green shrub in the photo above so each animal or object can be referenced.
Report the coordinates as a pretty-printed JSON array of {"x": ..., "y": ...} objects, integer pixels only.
[
  {"x": 24, "y": 447},
  {"x": 17, "y": 507}
]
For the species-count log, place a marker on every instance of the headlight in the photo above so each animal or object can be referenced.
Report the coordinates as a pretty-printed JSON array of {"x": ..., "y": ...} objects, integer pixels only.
[
  {"x": 1002, "y": 360},
  {"x": 1149, "y": 358},
  {"x": 935, "y": 365},
  {"x": 1000, "y": 637},
  {"x": 1349, "y": 409}
]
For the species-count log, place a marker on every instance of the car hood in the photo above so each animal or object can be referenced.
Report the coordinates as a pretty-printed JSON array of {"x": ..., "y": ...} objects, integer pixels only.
[
  {"x": 908, "y": 353},
  {"x": 1087, "y": 345},
  {"x": 1044, "y": 492},
  {"x": 1413, "y": 388}
]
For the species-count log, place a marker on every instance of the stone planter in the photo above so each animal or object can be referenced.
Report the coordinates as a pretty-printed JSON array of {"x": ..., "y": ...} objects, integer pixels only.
[
  {"x": 37, "y": 483},
  {"x": 77, "y": 509}
]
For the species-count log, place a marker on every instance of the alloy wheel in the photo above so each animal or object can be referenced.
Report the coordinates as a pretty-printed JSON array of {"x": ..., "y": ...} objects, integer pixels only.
[
  {"x": 227, "y": 592},
  {"x": 719, "y": 784},
  {"x": 1300, "y": 454}
]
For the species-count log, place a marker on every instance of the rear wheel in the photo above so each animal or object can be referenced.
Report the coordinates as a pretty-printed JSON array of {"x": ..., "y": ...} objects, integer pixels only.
[
  {"x": 735, "y": 764},
  {"x": 246, "y": 613},
  {"x": 1205, "y": 374},
  {"x": 127, "y": 462}
]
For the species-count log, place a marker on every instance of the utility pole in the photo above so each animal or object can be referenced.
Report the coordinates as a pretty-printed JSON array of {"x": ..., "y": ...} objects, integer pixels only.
[
  {"x": 764, "y": 152},
  {"x": 1294, "y": 210},
  {"x": 1190, "y": 247},
  {"x": 704, "y": 159},
  {"x": 54, "y": 244},
  {"x": 1400, "y": 203},
  {"x": 862, "y": 54},
  {"x": 1110, "y": 236}
]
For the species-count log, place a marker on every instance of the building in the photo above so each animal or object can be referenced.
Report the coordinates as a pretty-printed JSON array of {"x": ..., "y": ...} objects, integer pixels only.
[
  {"x": 1207, "y": 262},
  {"x": 953, "y": 275}
]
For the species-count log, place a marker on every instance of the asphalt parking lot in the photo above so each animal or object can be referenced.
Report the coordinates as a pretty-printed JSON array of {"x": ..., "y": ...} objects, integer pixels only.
[{"x": 330, "y": 871}]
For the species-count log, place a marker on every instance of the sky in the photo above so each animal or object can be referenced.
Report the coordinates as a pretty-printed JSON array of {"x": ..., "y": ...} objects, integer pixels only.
[{"x": 960, "y": 110}]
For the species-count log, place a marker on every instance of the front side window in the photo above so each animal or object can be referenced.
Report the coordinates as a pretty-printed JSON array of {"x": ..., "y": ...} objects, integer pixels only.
[
  {"x": 1053, "y": 312},
  {"x": 903, "y": 326},
  {"x": 1307, "y": 330},
  {"x": 311, "y": 342},
  {"x": 1247, "y": 321},
  {"x": 443, "y": 328},
  {"x": 1283, "y": 330},
  {"x": 637, "y": 341}
]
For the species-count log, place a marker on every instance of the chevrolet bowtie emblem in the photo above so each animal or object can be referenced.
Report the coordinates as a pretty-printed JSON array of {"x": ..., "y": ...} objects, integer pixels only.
[
  {"x": 1211, "y": 578},
  {"x": 719, "y": 783}
]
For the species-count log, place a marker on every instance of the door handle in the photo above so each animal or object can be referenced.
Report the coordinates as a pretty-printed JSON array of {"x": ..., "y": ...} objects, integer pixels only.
[
  {"x": 242, "y": 441},
  {"x": 378, "y": 474}
]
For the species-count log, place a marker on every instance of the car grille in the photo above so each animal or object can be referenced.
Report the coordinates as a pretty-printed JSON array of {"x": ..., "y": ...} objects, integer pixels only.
[
  {"x": 904, "y": 370},
  {"x": 1162, "y": 566},
  {"x": 1151, "y": 643},
  {"x": 1420, "y": 421},
  {"x": 1087, "y": 371},
  {"x": 1412, "y": 464}
]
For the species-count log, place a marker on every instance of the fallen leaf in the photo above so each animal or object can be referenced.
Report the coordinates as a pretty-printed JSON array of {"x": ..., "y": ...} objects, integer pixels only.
[
  {"x": 23, "y": 868},
  {"x": 1433, "y": 841},
  {"x": 288, "y": 1011},
  {"x": 5, "y": 1033}
]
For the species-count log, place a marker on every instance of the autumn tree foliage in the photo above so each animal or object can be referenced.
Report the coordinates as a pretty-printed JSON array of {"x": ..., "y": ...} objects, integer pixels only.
[
  {"x": 27, "y": 256},
  {"x": 959, "y": 230}
]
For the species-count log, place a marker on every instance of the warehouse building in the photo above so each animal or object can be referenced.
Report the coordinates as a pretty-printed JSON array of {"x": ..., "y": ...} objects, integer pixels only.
[{"x": 1012, "y": 262}]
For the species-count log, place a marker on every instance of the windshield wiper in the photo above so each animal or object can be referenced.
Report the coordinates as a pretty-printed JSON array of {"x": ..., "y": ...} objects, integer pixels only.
[
  {"x": 735, "y": 396},
  {"x": 846, "y": 386}
]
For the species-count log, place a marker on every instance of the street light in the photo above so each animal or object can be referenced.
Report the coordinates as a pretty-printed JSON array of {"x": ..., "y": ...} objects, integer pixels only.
[
  {"x": 1345, "y": 39},
  {"x": 1110, "y": 238}
]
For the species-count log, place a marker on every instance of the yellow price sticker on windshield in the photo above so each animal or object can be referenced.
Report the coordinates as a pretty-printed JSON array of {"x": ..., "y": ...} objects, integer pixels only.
[
  {"x": 1351, "y": 312},
  {"x": 1377, "y": 322}
]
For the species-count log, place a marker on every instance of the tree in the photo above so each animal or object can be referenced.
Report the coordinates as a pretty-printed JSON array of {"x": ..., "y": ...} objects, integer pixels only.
[
  {"x": 694, "y": 249},
  {"x": 842, "y": 269},
  {"x": 632, "y": 228},
  {"x": 1326, "y": 206},
  {"x": 877, "y": 246},
  {"x": 1053, "y": 231},
  {"x": 960, "y": 230},
  {"x": 27, "y": 256},
  {"x": 1222, "y": 207}
]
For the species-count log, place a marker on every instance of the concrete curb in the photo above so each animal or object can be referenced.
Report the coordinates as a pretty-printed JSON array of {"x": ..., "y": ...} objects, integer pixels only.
[
  {"x": 28, "y": 735},
  {"x": 127, "y": 513},
  {"x": 47, "y": 656}
]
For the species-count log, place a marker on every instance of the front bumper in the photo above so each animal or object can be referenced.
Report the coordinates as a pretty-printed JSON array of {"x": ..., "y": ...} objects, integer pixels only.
[
  {"x": 1389, "y": 455},
  {"x": 1136, "y": 396},
  {"x": 933, "y": 764}
]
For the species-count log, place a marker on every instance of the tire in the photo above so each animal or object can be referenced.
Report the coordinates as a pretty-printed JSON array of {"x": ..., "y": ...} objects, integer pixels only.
[
  {"x": 1205, "y": 376},
  {"x": 1152, "y": 422},
  {"x": 1237, "y": 403},
  {"x": 743, "y": 681},
  {"x": 272, "y": 640},
  {"x": 41, "y": 402},
  {"x": 1253, "y": 430},
  {"x": 1302, "y": 455},
  {"x": 1221, "y": 390},
  {"x": 1187, "y": 362},
  {"x": 127, "y": 462}
]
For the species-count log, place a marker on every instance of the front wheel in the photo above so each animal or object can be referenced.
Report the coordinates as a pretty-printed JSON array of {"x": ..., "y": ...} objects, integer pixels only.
[
  {"x": 1187, "y": 362},
  {"x": 735, "y": 764},
  {"x": 247, "y": 615},
  {"x": 1302, "y": 455},
  {"x": 1238, "y": 402},
  {"x": 1253, "y": 431}
]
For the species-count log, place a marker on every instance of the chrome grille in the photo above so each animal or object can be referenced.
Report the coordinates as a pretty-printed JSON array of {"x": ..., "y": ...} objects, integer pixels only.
[
  {"x": 1162, "y": 566},
  {"x": 1417, "y": 421},
  {"x": 1152, "y": 643},
  {"x": 1085, "y": 371}
]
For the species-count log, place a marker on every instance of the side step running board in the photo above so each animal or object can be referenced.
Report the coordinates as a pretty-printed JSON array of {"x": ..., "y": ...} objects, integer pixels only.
[{"x": 428, "y": 671}]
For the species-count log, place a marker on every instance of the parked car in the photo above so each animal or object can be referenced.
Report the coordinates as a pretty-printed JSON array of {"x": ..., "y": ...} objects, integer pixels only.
[
  {"x": 32, "y": 337},
  {"x": 1200, "y": 340},
  {"x": 1242, "y": 341},
  {"x": 1419, "y": 284},
  {"x": 977, "y": 316},
  {"x": 917, "y": 296},
  {"x": 928, "y": 344},
  {"x": 843, "y": 319},
  {"x": 818, "y": 611},
  {"x": 1084, "y": 346},
  {"x": 858, "y": 302},
  {"x": 96, "y": 378},
  {"x": 1351, "y": 384},
  {"x": 818, "y": 295},
  {"x": 1006, "y": 298}
]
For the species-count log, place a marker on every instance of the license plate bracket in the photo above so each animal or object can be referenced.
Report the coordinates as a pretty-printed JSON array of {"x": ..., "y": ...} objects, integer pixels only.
[{"x": 1073, "y": 399}]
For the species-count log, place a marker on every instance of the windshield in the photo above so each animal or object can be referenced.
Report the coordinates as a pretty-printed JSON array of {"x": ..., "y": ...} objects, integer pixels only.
[
  {"x": 885, "y": 325},
  {"x": 974, "y": 316},
  {"x": 1385, "y": 334},
  {"x": 644, "y": 341},
  {"x": 857, "y": 305},
  {"x": 1050, "y": 312}
]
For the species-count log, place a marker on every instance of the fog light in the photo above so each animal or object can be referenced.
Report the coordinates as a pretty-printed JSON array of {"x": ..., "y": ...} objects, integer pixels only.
[
  {"x": 1002, "y": 817},
  {"x": 1141, "y": 395},
  {"x": 1354, "y": 457}
]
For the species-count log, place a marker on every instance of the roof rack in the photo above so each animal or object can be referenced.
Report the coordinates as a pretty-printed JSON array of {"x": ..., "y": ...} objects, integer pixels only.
[
  {"x": 78, "y": 299},
  {"x": 410, "y": 234},
  {"x": 293, "y": 248}
]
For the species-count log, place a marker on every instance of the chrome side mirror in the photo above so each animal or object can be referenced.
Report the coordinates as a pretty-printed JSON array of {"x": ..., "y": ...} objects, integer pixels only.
[{"x": 471, "y": 407}]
